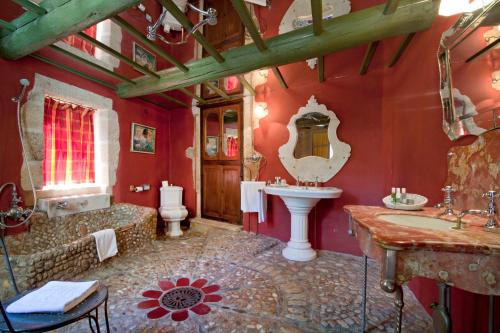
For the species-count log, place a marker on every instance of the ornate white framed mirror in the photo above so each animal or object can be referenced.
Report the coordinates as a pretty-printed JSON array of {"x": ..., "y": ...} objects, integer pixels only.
[{"x": 313, "y": 151}]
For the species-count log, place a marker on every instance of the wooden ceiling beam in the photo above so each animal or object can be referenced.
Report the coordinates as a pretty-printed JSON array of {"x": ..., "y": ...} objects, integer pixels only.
[
  {"x": 317, "y": 14},
  {"x": 150, "y": 101},
  {"x": 367, "y": 59},
  {"x": 246, "y": 84},
  {"x": 188, "y": 25},
  {"x": 73, "y": 71},
  {"x": 118, "y": 55},
  {"x": 91, "y": 64},
  {"x": 149, "y": 44},
  {"x": 246, "y": 18},
  {"x": 391, "y": 6},
  {"x": 31, "y": 6},
  {"x": 7, "y": 25},
  {"x": 173, "y": 100},
  {"x": 70, "y": 17},
  {"x": 193, "y": 95},
  {"x": 321, "y": 68},
  {"x": 217, "y": 90},
  {"x": 402, "y": 47},
  {"x": 340, "y": 33}
]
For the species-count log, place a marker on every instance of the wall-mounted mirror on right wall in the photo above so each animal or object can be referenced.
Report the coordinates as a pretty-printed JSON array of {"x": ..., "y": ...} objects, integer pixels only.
[{"x": 469, "y": 66}]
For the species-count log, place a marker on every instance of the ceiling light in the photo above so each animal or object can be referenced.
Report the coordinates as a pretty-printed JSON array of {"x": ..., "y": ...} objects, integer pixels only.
[{"x": 453, "y": 7}]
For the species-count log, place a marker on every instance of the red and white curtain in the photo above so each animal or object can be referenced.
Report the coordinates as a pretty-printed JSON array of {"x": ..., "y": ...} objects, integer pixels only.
[
  {"x": 68, "y": 143},
  {"x": 81, "y": 44}
]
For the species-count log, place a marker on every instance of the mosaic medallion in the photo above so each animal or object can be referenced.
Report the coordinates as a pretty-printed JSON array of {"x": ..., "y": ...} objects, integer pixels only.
[{"x": 180, "y": 298}]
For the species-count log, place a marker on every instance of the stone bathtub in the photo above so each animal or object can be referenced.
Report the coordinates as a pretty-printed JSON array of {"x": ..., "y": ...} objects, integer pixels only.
[{"x": 62, "y": 247}]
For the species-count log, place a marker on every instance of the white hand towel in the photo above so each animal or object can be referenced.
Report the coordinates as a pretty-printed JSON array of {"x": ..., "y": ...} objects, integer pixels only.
[
  {"x": 55, "y": 296},
  {"x": 262, "y": 205},
  {"x": 105, "y": 241},
  {"x": 250, "y": 198}
]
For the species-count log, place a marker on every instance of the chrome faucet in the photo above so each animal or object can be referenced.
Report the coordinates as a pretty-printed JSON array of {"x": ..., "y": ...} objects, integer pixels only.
[
  {"x": 298, "y": 181},
  {"x": 489, "y": 212},
  {"x": 447, "y": 202},
  {"x": 316, "y": 181}
]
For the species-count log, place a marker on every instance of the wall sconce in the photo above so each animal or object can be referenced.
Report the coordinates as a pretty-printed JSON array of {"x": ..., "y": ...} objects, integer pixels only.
[
  {"x": 260, "y": 110},
  {"x": 495, "y": 80}
]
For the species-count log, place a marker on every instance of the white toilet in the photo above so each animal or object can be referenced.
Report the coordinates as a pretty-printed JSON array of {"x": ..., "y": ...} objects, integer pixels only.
[{"x": 171, "y": 210}]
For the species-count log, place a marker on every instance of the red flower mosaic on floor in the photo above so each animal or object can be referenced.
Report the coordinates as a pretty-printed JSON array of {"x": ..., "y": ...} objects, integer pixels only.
[{"x": 180, "y": 298}]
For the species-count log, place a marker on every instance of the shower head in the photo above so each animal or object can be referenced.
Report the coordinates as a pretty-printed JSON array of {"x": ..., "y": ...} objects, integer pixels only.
[{"x": 24, "y": 84}]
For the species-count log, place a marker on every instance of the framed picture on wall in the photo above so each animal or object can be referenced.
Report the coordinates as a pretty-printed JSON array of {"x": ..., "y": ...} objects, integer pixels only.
[
  {"x": 144, "y": 58},
  {"x": 212, "y": 145},
  {"x": 143, "y": 139}
]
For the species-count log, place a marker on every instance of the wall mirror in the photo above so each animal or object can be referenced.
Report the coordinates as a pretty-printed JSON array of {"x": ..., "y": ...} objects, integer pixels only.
[
  {"x": 313, "y": 151},
  {"x": 469, "y": 68},
  {"x": 312, "y": 136}
]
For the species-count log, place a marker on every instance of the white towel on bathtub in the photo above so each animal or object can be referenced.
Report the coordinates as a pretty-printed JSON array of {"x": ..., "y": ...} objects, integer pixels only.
[
  {"x": 55, "y": 296},
  {"x": 105, "y": 241}
]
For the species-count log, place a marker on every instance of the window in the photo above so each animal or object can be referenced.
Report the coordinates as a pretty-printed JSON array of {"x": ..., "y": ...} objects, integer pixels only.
[
  {"x": 81, "y": 44},
  {"x": 68, "y": 144}
]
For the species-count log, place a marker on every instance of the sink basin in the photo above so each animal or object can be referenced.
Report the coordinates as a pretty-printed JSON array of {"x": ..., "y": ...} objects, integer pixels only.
[
  {"x": 416, "y": 221},
  {"x": 300, "y": 200},
  {"x": 304, "y": 192}
]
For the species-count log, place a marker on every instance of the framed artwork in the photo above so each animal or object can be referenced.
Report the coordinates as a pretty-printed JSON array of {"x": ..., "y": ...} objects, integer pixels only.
[
  {"x": 144, "y": 58},
  {"x": 143, "y": 139},
  {"x": 212, "y": 145}
]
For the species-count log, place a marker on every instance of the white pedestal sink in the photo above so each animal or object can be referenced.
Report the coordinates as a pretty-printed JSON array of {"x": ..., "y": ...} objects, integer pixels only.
[{"x": 300, "y": 200}]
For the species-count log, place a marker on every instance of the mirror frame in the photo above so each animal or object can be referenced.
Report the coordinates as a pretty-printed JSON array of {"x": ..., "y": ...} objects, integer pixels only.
[
  {"x": 466, "y": 24},
  {"x": 310, "y": 167}
]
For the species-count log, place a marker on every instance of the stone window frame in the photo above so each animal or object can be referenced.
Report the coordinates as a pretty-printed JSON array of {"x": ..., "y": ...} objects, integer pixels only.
[{"x": 106, "y": 129}]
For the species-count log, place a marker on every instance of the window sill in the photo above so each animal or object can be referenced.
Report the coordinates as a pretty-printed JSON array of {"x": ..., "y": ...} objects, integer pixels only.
[{"x": 70, "y": 191}]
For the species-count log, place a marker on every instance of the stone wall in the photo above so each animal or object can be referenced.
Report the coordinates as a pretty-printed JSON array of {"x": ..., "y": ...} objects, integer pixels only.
[{"x": 40, "y": 255}]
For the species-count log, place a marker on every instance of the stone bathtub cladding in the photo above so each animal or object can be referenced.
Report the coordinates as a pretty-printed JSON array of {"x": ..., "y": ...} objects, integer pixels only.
[{"x": 62, "y": 247}]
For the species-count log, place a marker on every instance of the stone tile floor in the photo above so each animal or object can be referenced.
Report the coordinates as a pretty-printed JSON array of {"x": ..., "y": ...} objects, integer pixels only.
[{"x": 261, "y": 291}]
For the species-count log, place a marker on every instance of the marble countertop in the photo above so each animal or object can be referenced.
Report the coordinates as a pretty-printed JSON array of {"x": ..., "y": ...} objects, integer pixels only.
[{"x": 472, "y": 239}]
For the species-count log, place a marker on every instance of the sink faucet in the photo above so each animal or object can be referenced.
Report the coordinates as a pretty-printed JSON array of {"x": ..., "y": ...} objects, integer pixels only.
[
  {"x": 316, "y": 181},
  {"x": 447, "y": 202},
  {"x": 298, "y": 181},
  {"x": 489, "y": 212}
]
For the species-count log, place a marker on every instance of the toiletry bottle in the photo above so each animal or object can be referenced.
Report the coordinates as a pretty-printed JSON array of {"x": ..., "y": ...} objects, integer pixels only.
[
  {"x": 398, "y": 194},
  {"x": 393, "y": 195},
  {"x": 403, "y": 195}
]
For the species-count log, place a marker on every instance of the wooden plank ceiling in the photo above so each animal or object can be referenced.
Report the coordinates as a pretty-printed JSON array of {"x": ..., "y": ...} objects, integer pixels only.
[{"x": 43, "y": 24}]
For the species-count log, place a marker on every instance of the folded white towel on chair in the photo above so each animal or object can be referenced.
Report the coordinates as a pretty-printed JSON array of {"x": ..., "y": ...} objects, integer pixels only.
[
  {"x": 105, "y": 241},
  {"x": 55, "y": 296}
]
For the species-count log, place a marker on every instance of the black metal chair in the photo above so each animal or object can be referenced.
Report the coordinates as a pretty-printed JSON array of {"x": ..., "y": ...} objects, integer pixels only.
[{"x": 43, "y": 322}]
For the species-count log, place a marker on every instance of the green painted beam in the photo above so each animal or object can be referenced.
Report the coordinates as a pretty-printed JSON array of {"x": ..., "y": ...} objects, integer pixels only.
[
  {"x": 188, "y": 25},
  {"x": 391, "y": 6},
  {"x": 402, "y": 47},
  {"x": 149, "y": 44},
  {"x": 321, "y": 68},
  {"x": 340, "y": 33},
  {"x": 192, "y": 94},
  {"x": 31, "y": 6},
  {"x": 370, "y": 52},
  {"x": 91, "y": 64},
  {"x": 173, "y": 100},
  {"x": 246, "y": 18},
  {"x": 69, "y": 18},
  {"x": 217, "y": 90},
  {"x": 116, "y": 54},
  {"x": 246, "y": 84},
  {"x": 7, "y": 26},
  {"x": 73, "y": 71},
  {"x": 279, "y": 77},
  {"x": 317, "y": 14}
]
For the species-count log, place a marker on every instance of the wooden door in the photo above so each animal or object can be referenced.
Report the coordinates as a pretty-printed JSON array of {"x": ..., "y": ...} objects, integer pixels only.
[
  {"x": 231, "y": 193},
  {"x": 221, "y": 159},
  {"x": 211, "y": 191}
]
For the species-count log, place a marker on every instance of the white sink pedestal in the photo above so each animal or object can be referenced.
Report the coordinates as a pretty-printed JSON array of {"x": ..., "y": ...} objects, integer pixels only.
[
  {"x": 300, "y": 201},
  {"x": 299, "y": 248}
]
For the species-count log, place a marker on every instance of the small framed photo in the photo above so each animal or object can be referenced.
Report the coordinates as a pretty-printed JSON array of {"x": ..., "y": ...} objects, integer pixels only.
[
  {"x": 212, "y": 146},
  {"x": 144, "y": 58},
  {"x": 143, "y": 139}
]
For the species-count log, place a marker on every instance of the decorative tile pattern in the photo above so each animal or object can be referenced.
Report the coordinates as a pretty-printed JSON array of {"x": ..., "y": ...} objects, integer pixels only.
[{"x": 260, "y": 290}]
